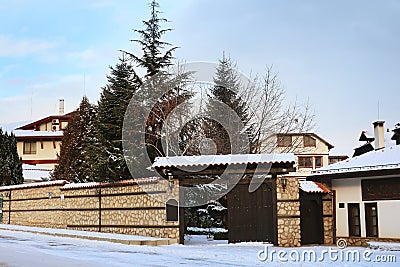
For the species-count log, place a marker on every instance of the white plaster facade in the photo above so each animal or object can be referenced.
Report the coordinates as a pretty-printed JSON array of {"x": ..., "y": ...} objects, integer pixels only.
[{"x": 349, "y": 191}]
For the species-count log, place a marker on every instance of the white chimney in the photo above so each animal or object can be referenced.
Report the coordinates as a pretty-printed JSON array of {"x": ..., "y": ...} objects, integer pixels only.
[
  {"x": 379, "y": 134},
  {"x": 61, "y": 109}
]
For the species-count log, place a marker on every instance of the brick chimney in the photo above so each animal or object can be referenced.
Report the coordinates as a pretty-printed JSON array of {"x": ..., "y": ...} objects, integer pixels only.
[
  {"x": 61, "y": 107},
  {"x": 379, "y": 134}
]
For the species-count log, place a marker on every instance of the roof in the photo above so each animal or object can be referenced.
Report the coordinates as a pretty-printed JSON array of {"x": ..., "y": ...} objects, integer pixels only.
[
  {"x": 330, "y": 146},
  {"x": 35, "y": 173},
  {"x": 32, "y": 133},
  {"x": 136, "y": 181},
  {"x": 31, "y": 125},
  {"x": 313, "y": 187},
  {"x": 32, "y": 185},
  {"x": 382, "y": 159},
  {"x": 230, "y": 159}
]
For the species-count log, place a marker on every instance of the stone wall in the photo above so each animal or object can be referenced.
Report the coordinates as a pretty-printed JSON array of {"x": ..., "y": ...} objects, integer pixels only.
[
  {"x": 327, "y": 212},
  {"x": 362, "y": 241},
  {"x": 288, "y": 212},
  {"x": 123, "y": 207}
]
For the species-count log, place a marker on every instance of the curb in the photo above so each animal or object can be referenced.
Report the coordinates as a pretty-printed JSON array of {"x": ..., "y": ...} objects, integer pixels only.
[{"x": 157, "y": 242}]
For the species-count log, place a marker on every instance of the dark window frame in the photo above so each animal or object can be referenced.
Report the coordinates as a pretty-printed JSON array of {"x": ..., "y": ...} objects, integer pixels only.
[
  {"x": 29, "y": 151},
  {"x": 309, "y": 141},
  {"x": 321, "y": 161},
  {"x": 353, "y": 212},
  {"x": 302, "y": 161},
  {"x": 285, "y": 141},
  {"x": 371, "y": 230}
]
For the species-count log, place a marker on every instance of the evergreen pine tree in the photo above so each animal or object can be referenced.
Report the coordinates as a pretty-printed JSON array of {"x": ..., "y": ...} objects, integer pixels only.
[
  {"x": 123, "y": 84},
  {"x": 226, "y": 91},
  {"x": 114, "y": 100},
  {"x": 78, "y": 136},
  {"x": 10, "y": 162},
  {"x": 153, "y": 59}
]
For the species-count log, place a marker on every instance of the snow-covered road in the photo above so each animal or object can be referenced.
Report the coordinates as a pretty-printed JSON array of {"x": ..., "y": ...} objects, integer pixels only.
[{"x": 28, "y": 249}]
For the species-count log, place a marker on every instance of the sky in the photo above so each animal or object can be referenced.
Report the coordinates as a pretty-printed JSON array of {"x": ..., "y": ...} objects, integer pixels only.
[{"x": 339, "y": 56}]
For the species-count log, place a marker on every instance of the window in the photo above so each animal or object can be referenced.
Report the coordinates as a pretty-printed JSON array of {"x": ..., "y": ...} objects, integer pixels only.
[
  {"x": 172, "y": 210},
  {"x": 371, "y": 219},
  {"x": 318, "y": 162},
  {"x": 284, "y": 140},
  {"x": 29, "y": 147},
  {"x": 353, "y": 210},
  {"x": 305, "y": 162},
  {"x": 309, "y": 141}
]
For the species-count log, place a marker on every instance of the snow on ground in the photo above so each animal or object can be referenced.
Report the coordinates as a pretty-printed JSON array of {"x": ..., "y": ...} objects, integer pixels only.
[
  {"x": 205, "y": 230},
  {"x": 32, "y": 249}
]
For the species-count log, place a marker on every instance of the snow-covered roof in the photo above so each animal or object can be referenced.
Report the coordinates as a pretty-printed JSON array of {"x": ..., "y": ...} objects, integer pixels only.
[
  {"x": 31, "y": 133},
  {"x": 313, "y": 187},
  {"x": 136, "y": 181},
  {"x": 207, "y": 160},
  {"x": 35, "y": 173},
  {"x": 386, "y": 158},
  {"x": 33, "y": 185}
]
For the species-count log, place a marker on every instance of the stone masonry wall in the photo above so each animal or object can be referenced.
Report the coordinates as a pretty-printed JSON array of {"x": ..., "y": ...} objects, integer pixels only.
[
  {"x": 34, "y": 207},
  {"x": 288, "y": 212},
  {"x": 127, "y": 209},
  {"x": 327, "y": 211}
]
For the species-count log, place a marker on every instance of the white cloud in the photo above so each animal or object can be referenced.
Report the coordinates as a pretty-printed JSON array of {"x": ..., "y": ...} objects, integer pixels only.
[
  {"x": 18, "y": 48},
  {"x": 41, "y": 98}
]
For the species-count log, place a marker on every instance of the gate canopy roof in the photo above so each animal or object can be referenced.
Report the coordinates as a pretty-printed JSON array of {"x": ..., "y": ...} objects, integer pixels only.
[{"x": 216, "y": 164}]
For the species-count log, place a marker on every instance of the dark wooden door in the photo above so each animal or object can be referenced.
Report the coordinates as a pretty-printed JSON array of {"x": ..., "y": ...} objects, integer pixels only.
[
  {"x": 311, "y": 223},
  {"x": 251, "y": 215}
]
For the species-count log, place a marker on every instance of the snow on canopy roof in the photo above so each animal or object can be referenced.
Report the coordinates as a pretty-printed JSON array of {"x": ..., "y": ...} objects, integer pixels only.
[
  {"x": 33, "y": 185},
  {"x": 313, "y": 187},
  {"x": 135, "y": 181},
  {"x": 206, "y": 160},
  {"x": 32, "y": 133},
  {"x": 385, "y": 158},
  {"x": 35, "y": 173}
]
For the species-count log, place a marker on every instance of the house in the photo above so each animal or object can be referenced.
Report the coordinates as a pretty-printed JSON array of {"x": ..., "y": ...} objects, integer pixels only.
[
  {"x": 366, "y": 190},
  {"x": 311, "y": 151},
  {"x": 38, "y": 142}
]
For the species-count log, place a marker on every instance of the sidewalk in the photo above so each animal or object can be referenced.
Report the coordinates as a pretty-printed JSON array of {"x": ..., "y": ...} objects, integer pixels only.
[{"x": 109, "y": 237}]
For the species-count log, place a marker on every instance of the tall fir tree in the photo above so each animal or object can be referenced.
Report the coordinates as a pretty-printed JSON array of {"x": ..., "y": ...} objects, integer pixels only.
[
  {"x": 114, "y": 100},
  {"x": 234, "y": 115},
  {"x": 79, "y": 136},
  {"x": 10, "y": 161},
  {"x": 123, "y": 84},
  {"x": 153, "y": 59}
]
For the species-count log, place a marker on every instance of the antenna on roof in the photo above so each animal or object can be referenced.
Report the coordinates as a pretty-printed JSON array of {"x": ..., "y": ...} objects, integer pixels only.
[
  {"x": 30, "y": 118},
  {"x": 378, "y": 110}
]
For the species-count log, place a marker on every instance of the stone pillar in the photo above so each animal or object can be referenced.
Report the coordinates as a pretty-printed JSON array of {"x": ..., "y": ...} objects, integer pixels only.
[{"x": 288, "y": 211}]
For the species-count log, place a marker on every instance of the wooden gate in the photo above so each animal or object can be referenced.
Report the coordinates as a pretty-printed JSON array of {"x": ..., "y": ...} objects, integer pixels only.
[
  {"x": 252, "y": 216},
  {"x": 311, "y": 223}
]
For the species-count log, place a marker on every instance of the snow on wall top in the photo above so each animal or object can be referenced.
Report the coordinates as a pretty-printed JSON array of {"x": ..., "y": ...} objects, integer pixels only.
[
  {"x": 386, "y": 158},
  {"x": 31, "y": 133},
  {"x": 136, "y": 181},
  {"x": 206, "y": 160},
  {"x": 33, "y": 185},
  {"x": 313, "y": 187}
]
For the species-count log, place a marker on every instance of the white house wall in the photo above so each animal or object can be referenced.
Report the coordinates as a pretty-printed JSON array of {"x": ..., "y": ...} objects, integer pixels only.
[{"x": 349, "y": 191}]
